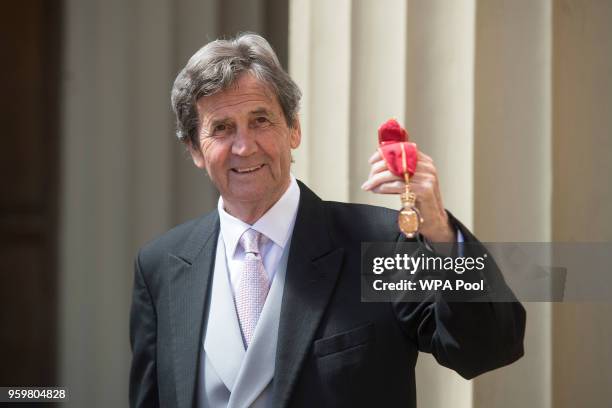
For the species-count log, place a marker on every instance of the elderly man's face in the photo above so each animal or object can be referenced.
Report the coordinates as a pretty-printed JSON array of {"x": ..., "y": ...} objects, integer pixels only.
[{"x": 245, "y": 143}]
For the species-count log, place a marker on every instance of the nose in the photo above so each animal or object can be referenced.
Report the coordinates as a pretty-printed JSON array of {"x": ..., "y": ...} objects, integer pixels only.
[{"x": 244, "y": 143}]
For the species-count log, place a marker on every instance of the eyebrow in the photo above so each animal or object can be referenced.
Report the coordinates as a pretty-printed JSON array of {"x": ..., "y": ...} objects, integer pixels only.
[
  {"x": 226, "y": 119},
  {"x": 216, "y": 122},
  {"x": 260, "y": 111}
]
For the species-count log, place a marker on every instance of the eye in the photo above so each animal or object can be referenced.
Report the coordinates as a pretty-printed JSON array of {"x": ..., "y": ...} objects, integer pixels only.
[
  {"x": 261, "y": 120},
  {"x": 220, "y": 129}
]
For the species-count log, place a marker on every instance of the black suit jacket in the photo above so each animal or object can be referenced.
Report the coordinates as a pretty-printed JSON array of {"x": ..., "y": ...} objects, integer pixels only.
[{"x": 333, "y": 350}]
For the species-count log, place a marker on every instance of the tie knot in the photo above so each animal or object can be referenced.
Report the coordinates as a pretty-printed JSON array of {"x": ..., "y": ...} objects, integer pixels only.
[{"x": 250, "y": 241}]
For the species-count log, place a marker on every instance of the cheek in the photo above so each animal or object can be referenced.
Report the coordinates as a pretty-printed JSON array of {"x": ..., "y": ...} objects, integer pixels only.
[
  {"x": 280, "y": 157},
  {"x": 205, "y": 146},
  {"x": 279, "y": 148},
  {"x": 213, "y": 153}
]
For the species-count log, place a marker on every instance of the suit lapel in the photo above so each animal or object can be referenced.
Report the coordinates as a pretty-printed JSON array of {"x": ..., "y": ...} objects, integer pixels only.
[
  {"x": 188, "y": 282},
  {"x": 312, "y": 271}
]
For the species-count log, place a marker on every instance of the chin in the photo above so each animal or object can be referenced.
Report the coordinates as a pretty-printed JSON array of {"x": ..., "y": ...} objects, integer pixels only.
[{"x": 247, "y": 196}]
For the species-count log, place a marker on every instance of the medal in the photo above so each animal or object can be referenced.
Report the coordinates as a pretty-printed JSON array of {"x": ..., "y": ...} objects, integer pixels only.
[
  {"x": 401, "y": 158},
  {"x": 409, "y": 218}
]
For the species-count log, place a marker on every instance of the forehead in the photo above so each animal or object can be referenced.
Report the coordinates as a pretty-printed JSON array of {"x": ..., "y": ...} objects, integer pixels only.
[{"x": 244, "y": 95}]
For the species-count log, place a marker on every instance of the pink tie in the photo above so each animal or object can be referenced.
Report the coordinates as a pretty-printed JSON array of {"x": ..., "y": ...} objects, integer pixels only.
[{"x": 253, "y": 286}]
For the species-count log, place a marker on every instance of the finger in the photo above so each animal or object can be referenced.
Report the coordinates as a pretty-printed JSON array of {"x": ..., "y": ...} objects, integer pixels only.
[
  {"x": 425, "y": 167},
  {"x": 420, "y": 178},
  {"x": 375, "y": 157},
  {"x": 378, "y": 166},
  {"x": 422, "y": 188},
  {"x": 379, "y": 178},
  {"x": 424, "y": 157},
  {"x": 392, "y": 187}
]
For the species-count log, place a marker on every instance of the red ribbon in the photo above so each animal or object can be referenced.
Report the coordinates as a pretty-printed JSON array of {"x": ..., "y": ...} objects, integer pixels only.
[{"x": 400, "y": 154}]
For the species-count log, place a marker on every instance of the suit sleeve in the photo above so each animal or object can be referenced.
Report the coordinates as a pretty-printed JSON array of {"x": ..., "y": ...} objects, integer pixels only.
[
  {"x": 143, "y": 335},
  {"x": 468, "y": 337}
]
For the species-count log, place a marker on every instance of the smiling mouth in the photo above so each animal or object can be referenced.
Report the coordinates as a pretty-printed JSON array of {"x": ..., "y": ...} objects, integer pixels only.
[{"x": 246, "y": 170}]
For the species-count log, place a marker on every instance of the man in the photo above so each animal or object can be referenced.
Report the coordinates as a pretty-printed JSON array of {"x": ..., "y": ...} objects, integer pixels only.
[{"x": 258, "y": 302}]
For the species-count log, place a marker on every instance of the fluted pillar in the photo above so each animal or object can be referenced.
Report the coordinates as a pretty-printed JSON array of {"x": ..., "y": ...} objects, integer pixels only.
[
  {"x": 125, "y": 179},
  {"x": 361, "y": 62},
  {"x": 319, "y": 60},
  {"x": 439, "y": 112},
  {"x": 582, "y": 192},
  {"x": 513, "y": 172},
  {"x": 115, "y": 173}
]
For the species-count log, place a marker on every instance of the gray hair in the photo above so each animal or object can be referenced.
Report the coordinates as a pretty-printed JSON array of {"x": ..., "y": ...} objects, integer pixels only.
[{"x": 216, "y": 67}]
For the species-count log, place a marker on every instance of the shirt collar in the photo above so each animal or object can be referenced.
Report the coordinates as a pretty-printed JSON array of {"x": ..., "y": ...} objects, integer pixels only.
[{"x": 275, "y": 224}]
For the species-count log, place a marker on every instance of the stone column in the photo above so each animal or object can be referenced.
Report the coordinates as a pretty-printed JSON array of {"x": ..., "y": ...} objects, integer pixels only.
[
  {"x": 115, "y": 181},
  {"x": 439, "y": 113},
  {"x": 360, "y": 63},
  {"x": 122, "y": 179},
  {"x": 582, "y": 192},
  {"x": 512, "y": 170},
  {"x": 319, "y": 60}
]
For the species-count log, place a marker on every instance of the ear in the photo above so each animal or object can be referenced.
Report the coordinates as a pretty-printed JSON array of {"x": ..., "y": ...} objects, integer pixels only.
[
  {"x": 196, "y": 155},
  {"x": 296, "y": 133}
]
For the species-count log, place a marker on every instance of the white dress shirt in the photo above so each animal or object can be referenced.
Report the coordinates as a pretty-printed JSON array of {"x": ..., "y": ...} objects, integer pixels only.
[{"x": 276, "y": 225}]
